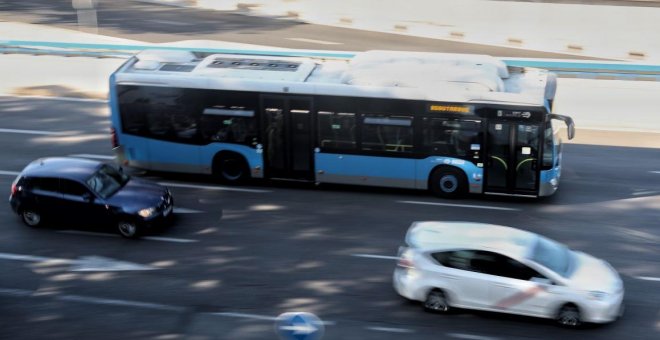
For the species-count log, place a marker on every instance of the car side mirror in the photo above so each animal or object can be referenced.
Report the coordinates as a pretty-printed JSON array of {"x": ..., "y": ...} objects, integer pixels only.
[{"x": 88, "y": 197}]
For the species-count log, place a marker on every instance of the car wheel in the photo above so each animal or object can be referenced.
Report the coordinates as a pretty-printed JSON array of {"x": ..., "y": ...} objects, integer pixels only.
[
  {"x": 128, "y": 229},
  {"x": 448, "y": 183},
  {"x": 231, "y": 169},
  {"x": 31, "y": 217},
  {"x": 436, "y": 301},
  {"x": 569, "y": 316}
]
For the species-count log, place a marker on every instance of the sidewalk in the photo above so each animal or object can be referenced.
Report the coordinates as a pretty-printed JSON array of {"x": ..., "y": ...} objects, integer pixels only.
[{"x": 616, "y": 32}]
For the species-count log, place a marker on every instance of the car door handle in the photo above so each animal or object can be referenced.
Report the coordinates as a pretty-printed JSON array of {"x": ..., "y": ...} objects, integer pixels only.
[
  {"x": 502, "y": 285},
  {"x": 446, "y": 276}
]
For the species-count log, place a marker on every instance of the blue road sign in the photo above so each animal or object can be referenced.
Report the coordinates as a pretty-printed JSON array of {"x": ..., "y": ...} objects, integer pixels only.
[{"x": 299, "y": 326}]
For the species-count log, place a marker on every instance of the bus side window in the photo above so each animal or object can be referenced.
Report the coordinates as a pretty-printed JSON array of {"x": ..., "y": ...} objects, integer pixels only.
[
  {"x": 452, "y": 137},
  {"x": 387, "y": 133},
  {"x": 336, "y": 130},
  {"x": 229, "y": 125}
]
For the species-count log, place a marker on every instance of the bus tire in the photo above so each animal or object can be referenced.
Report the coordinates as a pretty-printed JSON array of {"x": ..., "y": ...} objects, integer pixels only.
[
  {"x": 231, "y": 168},
  {"x": 448, "y": 182}
]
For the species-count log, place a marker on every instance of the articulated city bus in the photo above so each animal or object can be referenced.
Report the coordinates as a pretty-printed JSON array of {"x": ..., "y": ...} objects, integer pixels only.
[{"x": 449, "y": 123}]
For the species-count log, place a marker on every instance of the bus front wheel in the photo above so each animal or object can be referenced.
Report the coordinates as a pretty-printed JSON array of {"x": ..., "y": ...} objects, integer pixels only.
[
  {"x": 448, "y": 183},
  {"x": 231, "y": 169}
]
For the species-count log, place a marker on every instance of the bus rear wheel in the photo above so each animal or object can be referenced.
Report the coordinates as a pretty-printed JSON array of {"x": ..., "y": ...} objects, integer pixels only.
[
  {"x": 448, "y": 183},
  {"x": 231, "y": 169}
]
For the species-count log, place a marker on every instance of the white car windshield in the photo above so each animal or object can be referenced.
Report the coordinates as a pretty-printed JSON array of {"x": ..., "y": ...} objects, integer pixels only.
[
  {"x": 553, "y": 256},
  {"x": 106, "y": 181}
]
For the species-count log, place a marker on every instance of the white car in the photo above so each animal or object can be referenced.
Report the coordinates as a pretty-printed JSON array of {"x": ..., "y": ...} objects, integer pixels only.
[{"x": 502, "y": 269}]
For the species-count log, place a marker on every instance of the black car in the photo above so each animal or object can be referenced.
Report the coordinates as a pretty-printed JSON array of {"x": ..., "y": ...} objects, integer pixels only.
[{"x": 73, "y": 189}]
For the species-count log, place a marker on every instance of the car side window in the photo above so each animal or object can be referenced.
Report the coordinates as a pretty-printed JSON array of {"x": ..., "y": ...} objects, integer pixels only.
[
  {"x": 44, "y": 184},
  {"x": 458, "y": 259},
  {"x": 507, "y": 267},
  {"x": 73, "y": 188}
]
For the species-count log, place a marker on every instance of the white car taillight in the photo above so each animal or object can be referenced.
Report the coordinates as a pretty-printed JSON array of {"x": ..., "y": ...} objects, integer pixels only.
[{"x": 405, "y": 258}]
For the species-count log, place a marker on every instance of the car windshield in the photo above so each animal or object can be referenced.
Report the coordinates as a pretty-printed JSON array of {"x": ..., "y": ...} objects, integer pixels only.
[
  {"x": 106, "y": 181},
  {"x": 553, "y": 256}
]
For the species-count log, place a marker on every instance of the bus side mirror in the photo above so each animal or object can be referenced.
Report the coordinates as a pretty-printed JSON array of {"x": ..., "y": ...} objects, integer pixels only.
[{"x": 570, "y": 125}]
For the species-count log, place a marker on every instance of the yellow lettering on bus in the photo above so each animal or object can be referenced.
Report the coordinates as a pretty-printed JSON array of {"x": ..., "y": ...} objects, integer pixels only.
[{"x": 450, "y": 108}]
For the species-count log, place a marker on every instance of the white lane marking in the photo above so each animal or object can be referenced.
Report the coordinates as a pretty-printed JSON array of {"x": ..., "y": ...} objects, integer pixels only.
[
  {"x": 169, "y": 22},
  {"x": 15, "y": 292},
  {"x": 169, "y": 239},
  {"x": 640, "y": 193},
  {"x": 186, "y": 211},
  {"x": 84, "y": 263},
  {"x": 209, "y": 187},
  {"x": 68, "y": 99},
  {"x": 151, "y": 238},
  {"x": 313, "y": 41},
  {"x": 259, "y": 317},
  {"x": 391, "y": 329},
  {"x": 460, "y": 205},
  {"x": 34, "y": 132},
  {"x": 648, "y": 278},
  {"x": 87, "y": 155},
  {"x": 470, "y": 336},
  {"x": 124, "y": 303},
  {"x": 655, "y": 172},
  {"x": 9, "y": 173},
  {"x": 31, "y": 258},
  {"x": 376, "y": 256},
  {"x": 246, "y": 316}
]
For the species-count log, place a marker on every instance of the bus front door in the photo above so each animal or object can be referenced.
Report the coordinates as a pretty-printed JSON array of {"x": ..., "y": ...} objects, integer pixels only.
[
  {"x": 286, "y": 129},
  {"x": 512, "y": 158}
]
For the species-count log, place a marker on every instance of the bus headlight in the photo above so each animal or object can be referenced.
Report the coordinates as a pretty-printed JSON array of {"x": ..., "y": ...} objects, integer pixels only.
[
  {"x": 554, "y": 182},
  {"x": 147, "y": 212}
]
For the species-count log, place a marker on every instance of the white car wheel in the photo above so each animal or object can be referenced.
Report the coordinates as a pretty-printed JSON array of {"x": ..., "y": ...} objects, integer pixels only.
[{"x": 436, "y": 301}]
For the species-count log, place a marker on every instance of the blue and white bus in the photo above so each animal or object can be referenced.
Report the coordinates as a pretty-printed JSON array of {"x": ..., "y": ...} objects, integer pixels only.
[{"x": 449, "y": 123}]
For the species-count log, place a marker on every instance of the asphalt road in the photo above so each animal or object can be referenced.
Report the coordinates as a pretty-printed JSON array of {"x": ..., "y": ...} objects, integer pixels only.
[
  {"x": 236, "y": 259},
  {"x": 158, "y": 23}
]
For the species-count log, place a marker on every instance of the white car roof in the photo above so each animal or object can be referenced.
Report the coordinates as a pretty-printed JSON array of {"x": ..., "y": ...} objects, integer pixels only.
[{"x": 435, "y": 235}]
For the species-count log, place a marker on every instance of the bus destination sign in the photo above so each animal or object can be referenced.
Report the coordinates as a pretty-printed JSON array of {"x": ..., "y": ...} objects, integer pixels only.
[{"x": 450, "y": 108}]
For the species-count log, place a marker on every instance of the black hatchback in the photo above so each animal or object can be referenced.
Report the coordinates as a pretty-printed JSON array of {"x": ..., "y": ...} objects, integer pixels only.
[{"x": 75, "y": 190}]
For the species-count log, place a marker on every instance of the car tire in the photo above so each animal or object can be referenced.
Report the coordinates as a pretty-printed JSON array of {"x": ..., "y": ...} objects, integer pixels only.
[
  {"x": 448, "y": 182},
  {"x": 31, "y": 217},
  {"x": 231, "y": 169},
  {"x": 436, "y": 302},
  {"x": 569, "y": 316},
  {"x": 128, "y": 229}
]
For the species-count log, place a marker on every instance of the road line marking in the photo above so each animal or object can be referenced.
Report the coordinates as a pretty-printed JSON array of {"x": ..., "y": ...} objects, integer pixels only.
[
  {"x": 70, "y": 99},
  {"x": 151, "y": 238},
  {"x": 384, "y": 257},
  {"x": 125, "y": 303},
  {"x": 648, "y": 278},
  {"x": 15, "y": 292},
  {"x": 31, "y": 258},
  {"x": 655, "y": 172},
  {"x": 169, "y": 239},
  {"x": 209, "y": 187},
  {"x": 34, "y": 132},
  {"x": 186, "y": 211},
  {"x": 391, "y": 329},
  {"x": 9, "y": 173},
  {"x": 313, "y": 41},
  {"x": 87, "y": 155},
  {"x": 470, "y": 336},
  {"x": 247, "y": 316},
  {"x": 169, "y": 22},
  {"x": 459, "y": 205},
  {"x": 259, "y": 317}
]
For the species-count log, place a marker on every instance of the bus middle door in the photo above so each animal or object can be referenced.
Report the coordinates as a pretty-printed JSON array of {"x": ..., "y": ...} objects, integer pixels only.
[
  {"x": 512, "y": 158},
  {"x": 287, "y": 137}
]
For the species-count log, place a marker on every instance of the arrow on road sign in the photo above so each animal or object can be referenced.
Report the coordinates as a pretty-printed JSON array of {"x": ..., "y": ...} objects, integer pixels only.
[
  {"x": 84, "y": 263},
  {"x": 299, "y": 326}
]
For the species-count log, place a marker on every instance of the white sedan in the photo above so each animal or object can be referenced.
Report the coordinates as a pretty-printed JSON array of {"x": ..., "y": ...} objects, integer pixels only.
[{"x": 502, "y": 269}]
